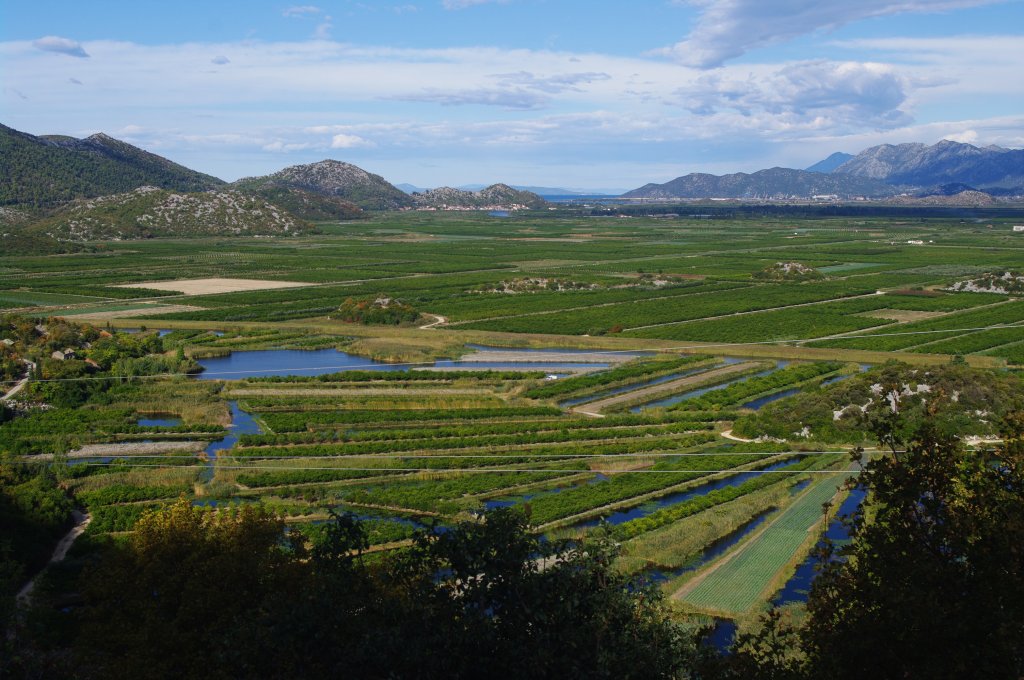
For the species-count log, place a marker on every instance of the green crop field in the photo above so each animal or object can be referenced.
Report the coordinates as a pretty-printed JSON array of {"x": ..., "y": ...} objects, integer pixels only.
[
  {"x": 737, "y": 585},
  {"x": 407, "y": 448}
]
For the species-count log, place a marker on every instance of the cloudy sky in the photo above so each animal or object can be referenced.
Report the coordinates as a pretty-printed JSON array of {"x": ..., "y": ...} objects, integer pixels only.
[{"x": 573, "y": 93}]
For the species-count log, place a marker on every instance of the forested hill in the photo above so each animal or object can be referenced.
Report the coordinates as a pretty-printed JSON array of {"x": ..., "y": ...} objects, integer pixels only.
[{"x": 43, "y": 171}]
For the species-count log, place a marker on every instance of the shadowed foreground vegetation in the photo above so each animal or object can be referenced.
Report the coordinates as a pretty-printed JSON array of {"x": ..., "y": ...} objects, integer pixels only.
[{"x": 232, "y": 594}]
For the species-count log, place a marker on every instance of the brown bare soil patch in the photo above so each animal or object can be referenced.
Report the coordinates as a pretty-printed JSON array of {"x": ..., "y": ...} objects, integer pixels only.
[
  {"x": 213, "y": 286},
  {"x": 901, "y": 315},
  {"x": 918, "y": 293}
]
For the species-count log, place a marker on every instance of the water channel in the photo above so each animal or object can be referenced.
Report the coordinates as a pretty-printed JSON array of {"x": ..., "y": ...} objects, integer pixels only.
[
  {"x": 622, "y": 516},
  {"x": 799, "y": 585},
  {"x": 677, "y": 398}
]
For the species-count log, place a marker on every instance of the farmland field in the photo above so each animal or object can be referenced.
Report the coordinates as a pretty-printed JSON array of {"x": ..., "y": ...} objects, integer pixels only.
[{"x": 425, "y": 439}]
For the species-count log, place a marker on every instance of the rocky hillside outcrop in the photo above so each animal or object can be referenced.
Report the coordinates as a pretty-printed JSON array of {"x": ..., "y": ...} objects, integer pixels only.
[
  {"x": 149, "y": 212},
  {"x": 494, "y": 197},
  {"x": 333, "y": 178}
]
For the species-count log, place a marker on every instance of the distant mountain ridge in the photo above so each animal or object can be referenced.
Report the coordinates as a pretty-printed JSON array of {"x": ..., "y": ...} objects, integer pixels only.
[
  {"x": 946, "y": 162},
  {"x": 951, "y": 169},
  {"x": 540, "y": 191},
  {"x": 44, "y": 171},
  {"x": 333, "y": 178},
  {"x": 830, "y": 163},
  {"x": 771, "y": 184},
  {"x": 494, "y": 197}
]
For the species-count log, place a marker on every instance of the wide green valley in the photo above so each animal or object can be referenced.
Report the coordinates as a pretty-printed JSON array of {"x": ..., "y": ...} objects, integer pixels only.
[{"x": 683, "y": 392}]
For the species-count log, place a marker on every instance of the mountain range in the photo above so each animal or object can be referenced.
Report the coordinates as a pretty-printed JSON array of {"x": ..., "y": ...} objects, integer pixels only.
[
  {"x": 333, "y": 178},
  {"x": 772, "y": 184},
  {"x": 879, "y": 172},
  {"x": 99, "y": 187},
  {"x": 920, "y": 165}
]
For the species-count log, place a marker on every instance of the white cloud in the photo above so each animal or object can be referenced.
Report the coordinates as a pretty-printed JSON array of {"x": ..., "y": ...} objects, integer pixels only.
[
  {"x": 299, "y": 11},
  {"x": 323, "y": 29},
  {"x": 53, "y": 43},
  {"x": 550, "y": 84},
  {"x": 965, "y": 137},
  {"x": 220, "y": 60},
  {"x": 344, "y": 141},
  {"x": 283, "y": 147},
  {"x": 838, "y": 95},
  {"x": 462, "y": 4},
  {"x": 729, "y": 28},
  {"x": 464, "y": 108},
  {"x": 519, "y": 90},
  {"x": 515, "y": 98}
]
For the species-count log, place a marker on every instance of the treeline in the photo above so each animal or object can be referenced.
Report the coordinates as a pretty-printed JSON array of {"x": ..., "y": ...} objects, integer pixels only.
[
  {"x": 299, "y": 610},
  {"x": 296, "y": 422}
]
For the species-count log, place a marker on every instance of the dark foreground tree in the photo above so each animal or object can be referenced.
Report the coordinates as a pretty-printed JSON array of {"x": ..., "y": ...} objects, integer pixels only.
[
  {"x": 931, "y": 584},
  {"x": 223, "y": 594}
]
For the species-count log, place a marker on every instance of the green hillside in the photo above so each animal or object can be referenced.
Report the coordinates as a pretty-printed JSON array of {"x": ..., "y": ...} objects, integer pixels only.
[{"x": 44, "y": 171}]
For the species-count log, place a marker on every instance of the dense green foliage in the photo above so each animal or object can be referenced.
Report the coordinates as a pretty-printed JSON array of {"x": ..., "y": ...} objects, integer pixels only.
[
  {"x": 576, "y": 616},
  {"x": 930, "y": 584},
  {"x": 376, "y": 311},
  {"x": 618, "y": 375},
  {"x": 972, "y": 401},
  {"x": 672, "y": 513},
  {"x": 740, "y": 391},
  {"x": 34, "y": 512},
  {"x": 43, "y": 171}
]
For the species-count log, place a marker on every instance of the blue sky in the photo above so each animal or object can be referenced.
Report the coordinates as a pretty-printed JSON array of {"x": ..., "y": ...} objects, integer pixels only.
[{"x": 550, "y": 92}]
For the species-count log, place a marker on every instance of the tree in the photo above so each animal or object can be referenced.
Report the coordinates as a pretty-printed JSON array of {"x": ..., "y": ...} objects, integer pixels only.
[
  {"x": 188, "y": 595},
  {"x": 932, "y": 584},
  {"x": 533, "y": 608},
  {"x": 223, "y": 594}
]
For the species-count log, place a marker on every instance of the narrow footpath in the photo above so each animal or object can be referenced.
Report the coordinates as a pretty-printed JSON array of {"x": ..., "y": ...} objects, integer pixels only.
[{"x": 24, "y": 596}]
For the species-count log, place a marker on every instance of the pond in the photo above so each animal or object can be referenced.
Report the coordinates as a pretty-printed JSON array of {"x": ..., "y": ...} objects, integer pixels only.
[
  {"x": 295, "y": 362},
  {"x": 285, "y": 362},
  {"x": 158, "y": 422},
  {"x": 241, "y": 423},
  {"x": 758, "y": 403}
]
